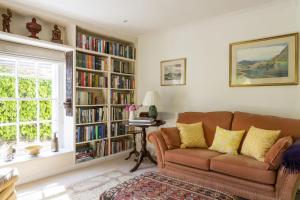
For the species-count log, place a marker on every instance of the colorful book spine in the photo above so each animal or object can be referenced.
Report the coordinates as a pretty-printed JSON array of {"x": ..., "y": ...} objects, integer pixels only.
[
  {"x": 90, "y": 98},
  {"x": 122, "y": 82},
  {"x": 122, "y": 97},
  {"x": 121, "y": 144},
  {"x": 119, "y": 113},
  {"x": 102, "y": 45},
  {"x": 90, "y": 62},
  {"x": 91, "y": 150},
  {"x": 88, "y": 133},
  {"x": 87, "y": 79},
  {"x": 122, "y": 67},
  {"x": 90, "y": 115}
]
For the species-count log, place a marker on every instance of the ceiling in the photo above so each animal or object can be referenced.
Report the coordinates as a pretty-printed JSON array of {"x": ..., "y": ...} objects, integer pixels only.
[{"x": 142, "y": 15}]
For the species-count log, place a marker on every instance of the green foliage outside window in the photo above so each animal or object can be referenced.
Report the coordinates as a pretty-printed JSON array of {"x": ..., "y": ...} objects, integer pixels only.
[
  {"x": 8, "y": 134},
  {"x": 27, "y": 87},
  {"x": 7, "y": 86},
  {"x": 8, "y": 112},
  {"x": 45, "y": 110},
  {"x": 28, "y": 109},
  {"x": 28, "y": 132},
  {"x": 45, "y": 88},
  {"x": 45, "y": 132}
]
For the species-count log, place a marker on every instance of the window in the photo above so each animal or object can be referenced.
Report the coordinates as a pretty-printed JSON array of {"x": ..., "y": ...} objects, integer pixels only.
[{"x": 28, "y": 100}]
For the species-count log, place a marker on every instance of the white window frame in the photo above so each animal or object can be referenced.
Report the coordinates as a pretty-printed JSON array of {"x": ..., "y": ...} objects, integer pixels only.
[{"x": 55, "y": 98}]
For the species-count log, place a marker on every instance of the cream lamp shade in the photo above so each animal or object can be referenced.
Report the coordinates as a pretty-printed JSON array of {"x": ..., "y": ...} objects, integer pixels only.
[{"x": 151, "y": 99}]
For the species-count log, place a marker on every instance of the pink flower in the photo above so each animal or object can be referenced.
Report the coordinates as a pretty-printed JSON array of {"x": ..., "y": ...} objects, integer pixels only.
[{"x": 132, "y": 107}]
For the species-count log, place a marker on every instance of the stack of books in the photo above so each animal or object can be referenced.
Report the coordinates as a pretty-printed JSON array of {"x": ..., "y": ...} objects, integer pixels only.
[{"x": 142, "y": 121}]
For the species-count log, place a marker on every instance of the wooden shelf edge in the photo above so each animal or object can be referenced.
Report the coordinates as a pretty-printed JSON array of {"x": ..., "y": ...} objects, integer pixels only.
[{"x": 104, "y": 54}]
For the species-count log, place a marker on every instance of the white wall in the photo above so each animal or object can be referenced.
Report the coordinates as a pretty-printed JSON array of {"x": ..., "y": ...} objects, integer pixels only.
[{"x": 205, "y": 44}]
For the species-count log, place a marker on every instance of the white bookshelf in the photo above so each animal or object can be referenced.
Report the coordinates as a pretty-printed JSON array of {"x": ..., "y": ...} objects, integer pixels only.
[{"x": 109, "y": 72}]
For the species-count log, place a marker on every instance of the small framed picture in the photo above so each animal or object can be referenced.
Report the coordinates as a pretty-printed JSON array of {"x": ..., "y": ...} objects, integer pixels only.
[
  {"x": 266, "y": 61},
  {"x": 173, "y": 72}
]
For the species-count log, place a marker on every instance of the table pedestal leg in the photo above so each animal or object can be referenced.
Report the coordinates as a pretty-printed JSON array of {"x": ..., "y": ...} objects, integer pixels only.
[
  {"x": 134, "y": 151},
  {"x": 144, "y": 152}
]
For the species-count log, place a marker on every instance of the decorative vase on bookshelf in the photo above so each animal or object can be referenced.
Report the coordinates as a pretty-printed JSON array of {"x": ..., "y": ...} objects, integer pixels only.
[
  {"x": 131, "y": 115},
  {"x": 131, "y": 109}
]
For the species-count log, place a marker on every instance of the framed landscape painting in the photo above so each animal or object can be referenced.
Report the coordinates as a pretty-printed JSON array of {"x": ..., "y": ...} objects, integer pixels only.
[
  {"x": 173, "y": 72},
  {"x": 267, "y": 61}
]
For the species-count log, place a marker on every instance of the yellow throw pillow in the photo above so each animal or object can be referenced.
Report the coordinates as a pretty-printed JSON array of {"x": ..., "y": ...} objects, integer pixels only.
[
  {"x": 191, "y": 135},
  {"x": 258, "y": 142},
  {"x": 227, "y": 141}
]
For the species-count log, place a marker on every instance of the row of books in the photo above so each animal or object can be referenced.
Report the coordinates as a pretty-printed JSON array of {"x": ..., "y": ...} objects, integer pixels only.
[
  {"x": 87, "y": 133},
  {"x": 122, "y": 97},
  {"x": 101, "y": 45},
  {"x": 87, "y": 79},
  {"x": 89, "y": 151},
  {"x": 122, "y": 82},
  {"x": 90, "y": 62},
  {"x": 89, "y": 115},
  {"x": 84, "y": 153},
  {"x": 121, "y": 144},
  {"x": 100, "y": 148},
  {"x": 118, "y": 128},
  {"x": 119, "y": 113},
  {"x": 90, "y": 98},
  {"x": 122, "y": 67}
]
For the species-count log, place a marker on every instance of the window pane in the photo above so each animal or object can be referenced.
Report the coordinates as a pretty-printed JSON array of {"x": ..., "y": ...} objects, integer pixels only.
[
  {"x": 45, "y": 110},
  {"x": 8, "y": 134},
  {"x": 8, "y": 111},
  {"x": 26, "y": 69},
  {"x": 45, "y": 88},
  {"x": 27, "y": 87},
  {"x": 28, "y": 132},
  {"x": 45, "y": 131},
  {"x": 45, "y": 71},
  {"x": 28, "y": 111},
  {"x": 7, "y": 86},
  {"x": 7, "y": 67}
]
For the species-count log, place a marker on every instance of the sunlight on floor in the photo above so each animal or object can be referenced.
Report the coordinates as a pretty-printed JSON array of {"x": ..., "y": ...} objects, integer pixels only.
[{"x": 52, "y": 191}]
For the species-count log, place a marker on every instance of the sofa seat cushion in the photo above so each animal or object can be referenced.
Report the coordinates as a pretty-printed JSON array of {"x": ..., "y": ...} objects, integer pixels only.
[
  {"x": 243, "y": 167},
  {"x": 191, "y": 157}
]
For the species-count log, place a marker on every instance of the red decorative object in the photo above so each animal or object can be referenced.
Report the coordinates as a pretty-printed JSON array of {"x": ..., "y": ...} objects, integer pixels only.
[
  {"x": 6, "y": 21},
  {"x": 34, "y": 28},
  {"x": 56, "y": 35}
]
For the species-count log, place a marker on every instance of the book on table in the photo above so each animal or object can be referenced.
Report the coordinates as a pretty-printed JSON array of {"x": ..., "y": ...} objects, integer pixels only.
[{"x": 142, "y": 121}]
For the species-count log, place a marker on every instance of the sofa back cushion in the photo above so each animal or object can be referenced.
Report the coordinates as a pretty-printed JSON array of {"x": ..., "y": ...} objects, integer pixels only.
[
  {"x": 288, "y": 127},
  {"x": 210, "y": 121}
]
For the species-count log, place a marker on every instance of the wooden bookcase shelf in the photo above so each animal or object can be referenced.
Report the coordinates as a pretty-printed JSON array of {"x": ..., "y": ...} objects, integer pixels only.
[{"x": 113, "y": 139}]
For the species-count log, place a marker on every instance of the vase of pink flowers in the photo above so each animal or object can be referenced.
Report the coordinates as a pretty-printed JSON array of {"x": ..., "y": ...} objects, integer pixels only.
[{"x": 131, "y": 108}]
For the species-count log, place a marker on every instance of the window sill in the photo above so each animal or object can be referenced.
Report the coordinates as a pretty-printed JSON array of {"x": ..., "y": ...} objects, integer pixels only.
[{"x": 27, "y": 158}]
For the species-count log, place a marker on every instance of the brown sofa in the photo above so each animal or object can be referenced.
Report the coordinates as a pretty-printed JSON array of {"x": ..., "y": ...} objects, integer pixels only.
[{"x": 239, "y": 175}]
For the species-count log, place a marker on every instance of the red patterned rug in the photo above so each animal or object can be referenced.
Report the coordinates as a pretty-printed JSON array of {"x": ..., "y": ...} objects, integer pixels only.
[{"x": 153, "y": 185}]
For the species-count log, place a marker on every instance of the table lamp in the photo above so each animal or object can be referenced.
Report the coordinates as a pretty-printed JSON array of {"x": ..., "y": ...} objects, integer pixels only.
[{"x": 151, "y": 99}]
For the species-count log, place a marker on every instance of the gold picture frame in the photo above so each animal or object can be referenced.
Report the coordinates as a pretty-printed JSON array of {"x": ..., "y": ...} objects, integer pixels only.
[
  {"x": 267, "y": 61},
  {"x": 173, "y": 72}
]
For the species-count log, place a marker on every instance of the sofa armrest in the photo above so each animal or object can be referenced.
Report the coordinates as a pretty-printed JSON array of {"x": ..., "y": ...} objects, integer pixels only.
[
  {"x": 287, "y": 185},
  {"x": 160, "y": 145}
]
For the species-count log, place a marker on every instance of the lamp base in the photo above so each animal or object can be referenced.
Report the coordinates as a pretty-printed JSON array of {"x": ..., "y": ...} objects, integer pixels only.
[{"x": 153, "y": 112}]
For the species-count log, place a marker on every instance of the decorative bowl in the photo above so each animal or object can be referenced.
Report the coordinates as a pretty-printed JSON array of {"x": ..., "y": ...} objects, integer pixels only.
[{"x": 33, "y": 150}]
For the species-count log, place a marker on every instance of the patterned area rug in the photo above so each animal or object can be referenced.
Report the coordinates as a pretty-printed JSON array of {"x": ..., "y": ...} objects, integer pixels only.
[{"x": 153, "y": 185}]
